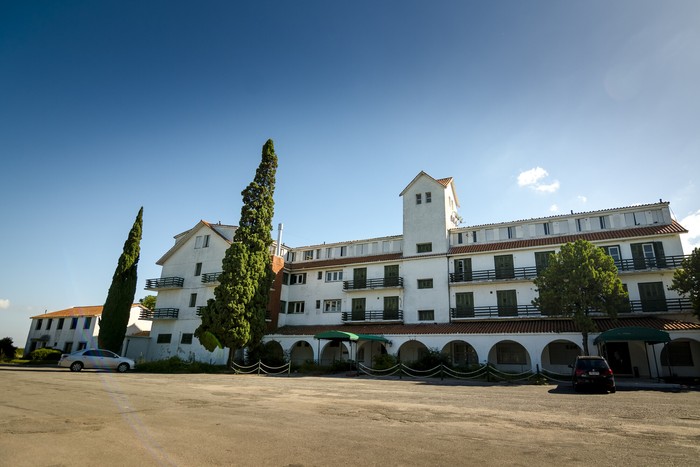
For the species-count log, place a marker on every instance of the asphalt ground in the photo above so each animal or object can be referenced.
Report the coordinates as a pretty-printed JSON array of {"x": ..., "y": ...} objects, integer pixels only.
[{"x": 52, "y": 417}]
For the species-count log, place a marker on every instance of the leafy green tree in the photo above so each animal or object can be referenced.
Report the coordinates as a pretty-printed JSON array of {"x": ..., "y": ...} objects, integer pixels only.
[
  {"x": 149, "y": 301},
  {"x": 686, "y": 280},
  {"x": 578, "y": 280},
  {"x": 120, "y": 298},
  {"x": 7, "y": 348},
  {"x": 236, "y": 316}
]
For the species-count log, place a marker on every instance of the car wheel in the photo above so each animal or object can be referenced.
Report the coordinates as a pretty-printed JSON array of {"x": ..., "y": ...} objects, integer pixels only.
[
  {"x": 76, "y": 366},
  {"x": 123, "y": 367},
  {"x": 612, "y": 390}
]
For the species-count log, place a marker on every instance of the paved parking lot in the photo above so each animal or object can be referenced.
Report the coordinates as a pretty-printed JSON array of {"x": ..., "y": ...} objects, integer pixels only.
[{"x": 54, "y": 417}]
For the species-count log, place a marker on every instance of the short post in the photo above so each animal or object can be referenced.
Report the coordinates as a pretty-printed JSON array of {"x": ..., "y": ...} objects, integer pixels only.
[{"x": 258, "y": 367}]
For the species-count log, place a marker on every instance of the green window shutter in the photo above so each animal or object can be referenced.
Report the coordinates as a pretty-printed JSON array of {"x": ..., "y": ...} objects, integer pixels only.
[
  {"x": 659, "y": 253},
  {"x": 504, "y": 266},
  {"x": 391, "y": 275},
  {"x": 358, "y": 309},
  {"x": 507, "y": 302},
  {"x": 638, "y": 256},
  {"x": 652, "y": 296},
  {"x": 464, "y": 302},
  {"x": 391, "y": 307},
  {"x": 542, "y": 259}
]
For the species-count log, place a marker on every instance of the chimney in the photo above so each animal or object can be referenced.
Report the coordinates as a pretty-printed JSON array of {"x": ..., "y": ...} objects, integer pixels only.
[{"x": 278, "y": 252}]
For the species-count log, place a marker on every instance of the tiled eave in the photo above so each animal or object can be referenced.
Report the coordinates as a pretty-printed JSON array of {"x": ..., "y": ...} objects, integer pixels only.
[
  {"x": 76, "y": 312},
  {"x": 507, "y": 327},
  {"x": 599, "y": 236},
  {"x": 326, "y": 263}
]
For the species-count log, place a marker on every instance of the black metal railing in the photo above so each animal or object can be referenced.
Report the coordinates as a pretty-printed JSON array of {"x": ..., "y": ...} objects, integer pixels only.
[
  {"x": 673, "y": 305},
  {"x": 384, "y": 282},
  {"x": 210, "y": 277},
  {"x": 660, "y": 262},
  {"x": 164, "y": 283},
  {"x": 529, "y": 272},
  {"x": 160, "y": 313},
  {"x": 374, "y": 315},
  {"x": 503, "y": 311}
]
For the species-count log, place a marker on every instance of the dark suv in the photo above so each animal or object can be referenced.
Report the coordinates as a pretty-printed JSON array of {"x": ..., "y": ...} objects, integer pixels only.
[{"x": 594, "y": 373}]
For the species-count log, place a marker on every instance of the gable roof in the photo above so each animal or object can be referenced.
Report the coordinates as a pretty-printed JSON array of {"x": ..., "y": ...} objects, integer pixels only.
[
  {"x": 444, "y": 182},
  {"x": 78, "y": 311},
  {"x": 182, "y": 238}
]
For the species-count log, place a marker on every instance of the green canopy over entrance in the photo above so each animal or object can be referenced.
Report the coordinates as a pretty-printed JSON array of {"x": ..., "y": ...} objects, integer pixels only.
[
  {"x": 337, "y": 336},
  {"x": 648, "y": 335},
  {"x": 372, "y": 337}
]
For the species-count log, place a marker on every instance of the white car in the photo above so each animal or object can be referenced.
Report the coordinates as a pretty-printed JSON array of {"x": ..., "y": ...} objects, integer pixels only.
[{"x": 96, "y": 358}]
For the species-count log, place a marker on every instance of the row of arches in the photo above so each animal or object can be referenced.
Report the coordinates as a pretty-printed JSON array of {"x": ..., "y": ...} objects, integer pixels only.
[{"x": 506, "y": 355}]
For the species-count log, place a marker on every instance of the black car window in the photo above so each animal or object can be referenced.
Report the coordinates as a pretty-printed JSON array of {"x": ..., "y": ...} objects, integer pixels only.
[
  {"x": 90, "y": 353},
  {"x": 592, "y": 364}
]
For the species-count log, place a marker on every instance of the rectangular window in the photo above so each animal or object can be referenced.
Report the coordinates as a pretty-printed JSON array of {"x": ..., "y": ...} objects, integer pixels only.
[
  {"x": 319, "y": 276},
  {"x": 88, "y": 322},
  {"x": 463, "y": 270},
  {"x": 198, "y": 269},
  {"x": 329, "y": 253},
  {"x": 205, "y": 243},
  {"x": 425, "y": 283},
  {"x": 614, "y": 252},
  {"x": 391, "y": 275},
  {"x": 331, "y": 306},
  {"x": 49, "y": 323},
  {"x": 391, "y": 308},
  {"x": 418, "y": 198},
  {"x": 297, "y": 279},
  {"x": 38, "y": 324},
  {"x": 343, "y": 251},
  {"x": 426, "y": 315},
  {"x": 318, "y": 304},
  {"x": 60, "y": 323},
  {"x": 164, "y": 338},
  {"x": 318, "y": 253},
  {"x": 285, "y": 278},
  {"x": 193, "y": 300},
  {"x": 186, "y": 339},
  {"x": 511, "y": 232},
  {"x": 648, "y": 255},
  {"x": 308, "y": 255},
  {"x": 73, "y": 323},
  {"x": 504, "y": 266},
  {"x": 334, "y": 276},
  {"x": 67, "y": 347},
  {"x": 198, "y": 241},
  {"x": 295, "y": 308},
  {"x": 579, "y": 225},
  {"x": 604, "y": 222},
  {"x": 82, "y": 345},
  {"x": 547, "y": 228},
  {"x": 459, "y": 238},
  {"x": 424, "y": 247},
  {"x": 358, "y": 309},
  {"x": 283, "y": 306},
  {"x": 474, "y": 236},
  {"x": 291, "y": 256},
  {"x": 464, "y": 305},
  {"x": 428, "y": 197},
  {"x": 507, "y": 302}
]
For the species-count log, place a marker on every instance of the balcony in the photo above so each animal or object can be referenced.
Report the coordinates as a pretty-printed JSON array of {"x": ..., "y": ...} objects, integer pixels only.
[
  {"x": 662, "y": 305},
  {"x": 527, "y": 273},
  {"x": 381, "y": 283},
  {"x": 481, "y": 312},
  {"x": 376, "y": 316},
  {"x": 160, "y": 313},
  {"x": 210, "y": 277},
  {"x": 164, "y": 283},
  {"x": 640, "y": 264}
]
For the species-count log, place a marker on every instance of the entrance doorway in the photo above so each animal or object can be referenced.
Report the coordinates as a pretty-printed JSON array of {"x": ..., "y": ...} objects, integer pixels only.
[{"x": 618, "y": 356}]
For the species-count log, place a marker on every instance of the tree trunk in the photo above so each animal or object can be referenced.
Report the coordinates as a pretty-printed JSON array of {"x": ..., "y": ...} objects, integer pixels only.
[{"x": 585, "y": 343}]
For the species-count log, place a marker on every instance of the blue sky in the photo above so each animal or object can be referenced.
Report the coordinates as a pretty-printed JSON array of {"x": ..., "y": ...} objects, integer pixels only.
[{"x": 535, "y": 108}]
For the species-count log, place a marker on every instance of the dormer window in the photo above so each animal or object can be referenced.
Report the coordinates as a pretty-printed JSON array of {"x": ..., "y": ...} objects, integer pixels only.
[{"x": 418, "y": 198}]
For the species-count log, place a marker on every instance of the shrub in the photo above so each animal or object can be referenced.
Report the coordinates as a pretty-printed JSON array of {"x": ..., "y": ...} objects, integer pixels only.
[
  {"x": 430, "y": 360},
  {"x": 178, "y": 365},
  {"x": 45, "y": 354},
  {"x": 383, "y": 361}
]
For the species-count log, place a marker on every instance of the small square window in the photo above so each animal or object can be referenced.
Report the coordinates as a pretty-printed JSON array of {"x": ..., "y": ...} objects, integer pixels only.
[
  {"x": 424, "y": 247},
  {"x": 426, "y": 315},
  {"x": 164, "y": 338},
  {"x": 186, "y": 339},
  {"x": 425, "y": 283}
]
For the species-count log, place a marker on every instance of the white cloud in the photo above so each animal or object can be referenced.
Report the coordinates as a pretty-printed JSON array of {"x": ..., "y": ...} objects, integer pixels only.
[
  {"x": 532, "y": 176},
  {"x": 534, "y": 179},
  {"x": 582, "y": 198},
  {"x": 691, "y": 240},
  {"x": 4, "y": 303},
  {"x": 553, "y": 208}
]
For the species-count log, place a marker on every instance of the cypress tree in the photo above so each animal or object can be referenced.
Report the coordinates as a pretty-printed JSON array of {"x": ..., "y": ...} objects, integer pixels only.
[
  {"x": 236, "y": 315},
  {"x": 120, "y": 298}
]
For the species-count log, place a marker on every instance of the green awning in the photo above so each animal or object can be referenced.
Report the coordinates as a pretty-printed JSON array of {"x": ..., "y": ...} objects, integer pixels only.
[
  {"x": 337, "y": 336},
  {"x": 372, "y": 337},
  {"x": 648, "y": 335}
]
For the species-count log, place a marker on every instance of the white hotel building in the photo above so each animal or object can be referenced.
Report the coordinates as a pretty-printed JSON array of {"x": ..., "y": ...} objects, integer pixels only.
[{"x": 465, "y": 291}]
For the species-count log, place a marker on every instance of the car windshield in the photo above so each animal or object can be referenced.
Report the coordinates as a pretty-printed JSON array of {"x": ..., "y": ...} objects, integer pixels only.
[{"x": 592, "y": 364}]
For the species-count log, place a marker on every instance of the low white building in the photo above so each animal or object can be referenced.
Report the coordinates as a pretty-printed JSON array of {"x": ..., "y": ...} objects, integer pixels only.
[
  {"x": 77, "y": 328},
  {"x": 464, "y": 291}
]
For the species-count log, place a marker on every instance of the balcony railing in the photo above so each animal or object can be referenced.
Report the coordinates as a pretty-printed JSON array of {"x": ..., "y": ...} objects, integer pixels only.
[
  {"x": 529, "y": 272},
  {"x": 160, "y": 313},
  {"x": 210, "y": 277},
  {"x": 672, "y": 305},
  {"x": 384, "y": 282},
  {"x": 375, "y": 315},
  {"x": 164, "y": 283},
  {"x": 661, "y": 262},
  {"x": 515, "y": 311}
]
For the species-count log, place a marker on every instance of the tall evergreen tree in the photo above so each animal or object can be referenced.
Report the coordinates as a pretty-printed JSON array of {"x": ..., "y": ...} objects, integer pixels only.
[
  {"x": 236, "y": 316},
  {"x": 578, "y": 280},
  {"x": 120, "y": 298}
]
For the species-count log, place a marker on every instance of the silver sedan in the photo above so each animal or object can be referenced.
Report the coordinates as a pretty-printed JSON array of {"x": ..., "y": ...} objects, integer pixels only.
[{"x": 96, "y": 358}]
